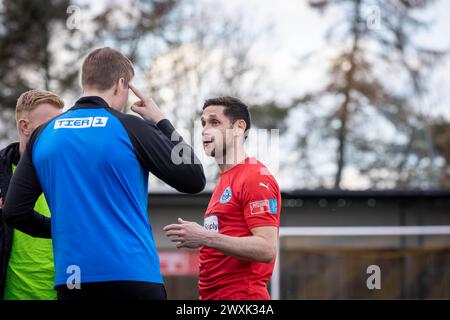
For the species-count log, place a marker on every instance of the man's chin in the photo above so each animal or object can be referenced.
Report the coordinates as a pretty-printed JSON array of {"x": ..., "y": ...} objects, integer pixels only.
[{"x": 210, "y": 153}]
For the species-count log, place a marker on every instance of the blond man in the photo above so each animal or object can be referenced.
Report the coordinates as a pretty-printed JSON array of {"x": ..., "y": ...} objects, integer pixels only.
[{"x": 26, "y": 263}]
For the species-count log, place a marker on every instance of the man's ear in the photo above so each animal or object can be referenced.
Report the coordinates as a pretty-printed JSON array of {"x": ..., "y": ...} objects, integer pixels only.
[
  {"x": 122, "y": 84},
  {"x": 116, "y": 88},
  {"x": 24, "y": 127},
  {"x": 239, "y": 127}
]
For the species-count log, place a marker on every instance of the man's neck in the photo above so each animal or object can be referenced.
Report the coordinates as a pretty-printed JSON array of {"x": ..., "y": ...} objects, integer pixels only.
[
  {"x": 94, "y": 93},
  {"x": 236, "y": 156},
  {"x": 22, "y": 145}
]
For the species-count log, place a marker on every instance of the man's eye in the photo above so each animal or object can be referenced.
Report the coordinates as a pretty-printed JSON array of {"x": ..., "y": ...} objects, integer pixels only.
[{"x": 215, "y": 122}]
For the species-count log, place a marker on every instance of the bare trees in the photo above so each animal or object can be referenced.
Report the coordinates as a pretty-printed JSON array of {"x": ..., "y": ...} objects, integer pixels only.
[
  {"x": 39, "y": 48},
  {"x": 25, "y": 52},
  {"x": 369, "y": 121},
  {"x": 205, "y": 55},
  {"x": 376, "y": 36}
]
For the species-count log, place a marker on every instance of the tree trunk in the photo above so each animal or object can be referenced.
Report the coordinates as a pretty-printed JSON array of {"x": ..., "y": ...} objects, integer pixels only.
[{"x": 344, "y": 114}]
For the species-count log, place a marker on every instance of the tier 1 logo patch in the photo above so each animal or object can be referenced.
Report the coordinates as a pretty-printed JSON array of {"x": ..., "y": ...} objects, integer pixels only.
[
  {"x": 226, "y": 195},
  {"x": 80, "y": 123}
]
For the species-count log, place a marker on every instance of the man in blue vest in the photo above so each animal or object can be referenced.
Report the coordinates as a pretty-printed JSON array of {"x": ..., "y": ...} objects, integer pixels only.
[{"x": 92, "y": 163}]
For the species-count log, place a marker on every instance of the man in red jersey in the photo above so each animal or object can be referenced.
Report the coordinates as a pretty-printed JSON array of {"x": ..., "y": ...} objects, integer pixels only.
[{"x": 239, "y": 237}]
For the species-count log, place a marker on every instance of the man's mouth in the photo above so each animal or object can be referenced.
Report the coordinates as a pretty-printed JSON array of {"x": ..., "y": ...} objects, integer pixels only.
[{"x": 207, "y": 142}]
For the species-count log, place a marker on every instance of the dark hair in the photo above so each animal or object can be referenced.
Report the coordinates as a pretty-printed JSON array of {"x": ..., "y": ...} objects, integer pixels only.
[{"x": 234, "y": 110}]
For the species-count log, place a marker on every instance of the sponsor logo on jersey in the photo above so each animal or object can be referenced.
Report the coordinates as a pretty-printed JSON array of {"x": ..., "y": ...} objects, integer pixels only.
[
  {"x": 81, "y": 123},
  {"x": 211, "y": 223},
  {"x": 264, "y": 206},
  {"x": 226, "y": 195}
]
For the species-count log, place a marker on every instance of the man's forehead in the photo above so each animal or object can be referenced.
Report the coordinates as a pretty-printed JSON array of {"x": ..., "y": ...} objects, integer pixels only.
[
  {"x": 212, "y": 111},
  {"x": 209, "y": 115}
]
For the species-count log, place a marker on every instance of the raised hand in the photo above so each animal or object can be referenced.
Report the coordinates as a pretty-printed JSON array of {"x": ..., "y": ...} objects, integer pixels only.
[{"x": 145, "y": 107}]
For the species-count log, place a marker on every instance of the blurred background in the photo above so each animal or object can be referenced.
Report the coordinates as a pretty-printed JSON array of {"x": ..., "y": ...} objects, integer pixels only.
[{"x": 350, "y": 101}]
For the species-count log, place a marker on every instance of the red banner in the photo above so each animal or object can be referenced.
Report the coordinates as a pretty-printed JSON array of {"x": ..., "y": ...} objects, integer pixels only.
[{"x": 179, "y": 263}]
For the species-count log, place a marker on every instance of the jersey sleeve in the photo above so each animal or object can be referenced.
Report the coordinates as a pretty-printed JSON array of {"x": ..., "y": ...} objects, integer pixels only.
[
  {"x": 23, "y": 192},
  {"x": 262, "y": 201},
  {"x": 163, "y": 152}
]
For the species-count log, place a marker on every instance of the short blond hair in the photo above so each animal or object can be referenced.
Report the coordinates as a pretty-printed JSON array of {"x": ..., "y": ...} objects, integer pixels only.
[
  {"x": 29, "y": 100},
  {"x": 103, "y": 67}
]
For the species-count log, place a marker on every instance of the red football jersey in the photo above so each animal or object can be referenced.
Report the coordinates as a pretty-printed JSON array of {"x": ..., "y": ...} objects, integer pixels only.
[{"x": 246, "y": 196}]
